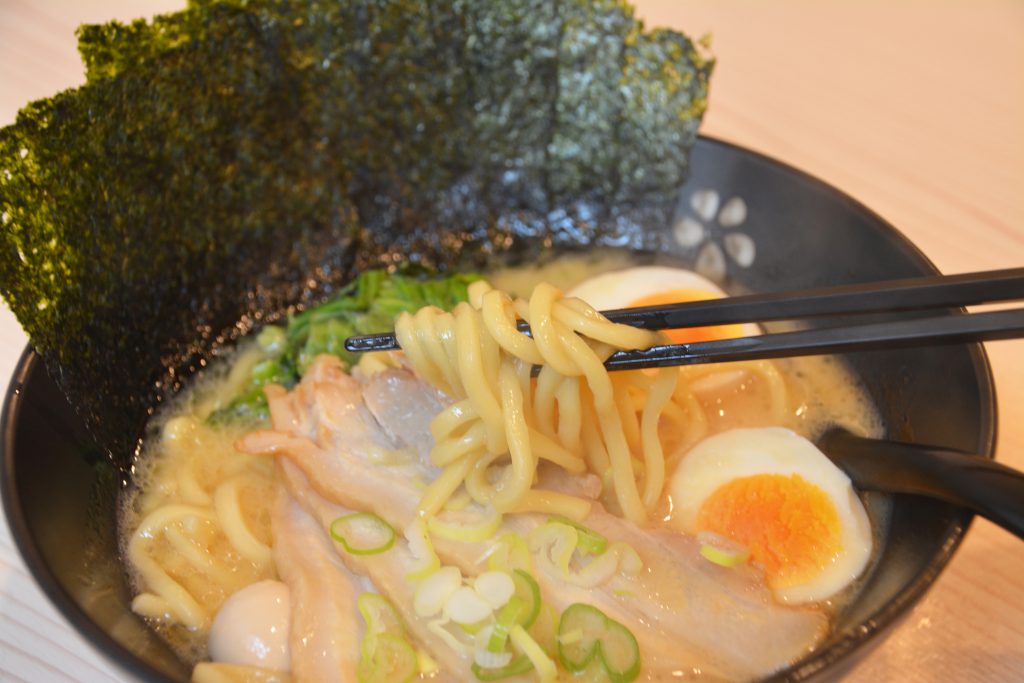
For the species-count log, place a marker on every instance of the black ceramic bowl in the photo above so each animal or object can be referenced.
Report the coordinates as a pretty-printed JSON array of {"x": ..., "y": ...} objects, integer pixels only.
[{"x": 59, "y": 497}]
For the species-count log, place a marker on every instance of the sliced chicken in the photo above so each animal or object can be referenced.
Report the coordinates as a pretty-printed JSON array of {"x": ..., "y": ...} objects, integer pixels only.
[
  {"x": 727, "y": 617},
  {"x": 325, "y": 625},
  {"x": 687, "y": 614},
  {"x": 342, "y": 476},
  {"x": 386, "y": 571},
  {"x": 554, "y": 478}
]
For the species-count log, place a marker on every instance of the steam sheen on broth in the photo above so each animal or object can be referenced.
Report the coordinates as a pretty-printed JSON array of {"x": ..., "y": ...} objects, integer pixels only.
[{"x": 200, "y": 523}]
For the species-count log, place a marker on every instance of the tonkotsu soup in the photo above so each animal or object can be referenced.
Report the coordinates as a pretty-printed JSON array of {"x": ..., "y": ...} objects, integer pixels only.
[{"x": 448, "y": 512}]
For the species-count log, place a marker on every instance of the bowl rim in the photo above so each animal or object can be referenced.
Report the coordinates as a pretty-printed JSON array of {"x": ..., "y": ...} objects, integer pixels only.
[
  {"x": 25, "y": 541},
  {"x": 863, "y": 636},
  {"x": 817, "y": 662}
]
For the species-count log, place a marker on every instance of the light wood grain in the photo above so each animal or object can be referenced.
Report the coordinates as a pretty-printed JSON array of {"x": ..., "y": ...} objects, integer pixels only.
[{"x": 916, "y": 108}]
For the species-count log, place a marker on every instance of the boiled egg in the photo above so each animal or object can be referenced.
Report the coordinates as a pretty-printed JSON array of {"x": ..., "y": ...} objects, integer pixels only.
[
  {"x": 653, "y": 286},
  {"x": 773, "y": 492},
  {"x": 251, "y": 628}
]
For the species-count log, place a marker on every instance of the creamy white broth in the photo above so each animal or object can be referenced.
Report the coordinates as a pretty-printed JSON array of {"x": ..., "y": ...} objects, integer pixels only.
[
  {"x": 823, "y": 390},
  {"x": 186, "y": 460}
]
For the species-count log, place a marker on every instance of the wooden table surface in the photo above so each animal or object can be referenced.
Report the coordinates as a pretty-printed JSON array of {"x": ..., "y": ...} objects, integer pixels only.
[{"x": 914, "y": 107}]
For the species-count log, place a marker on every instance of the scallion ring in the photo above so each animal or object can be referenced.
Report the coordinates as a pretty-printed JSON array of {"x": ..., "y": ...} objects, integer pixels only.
[
  {"x": 527, "y": 590},
  {"x": 387, "y": 658},
  {"x": 507, "y": 617},
  {"x": 516, "y": 667},
  {"x": 379, "y": 614},
  {"x": 363, "y": 533},
  {"x": 588, "y": 540},
  {"x": 586, "y": 635},
  {"x": 721, "y": 550}
]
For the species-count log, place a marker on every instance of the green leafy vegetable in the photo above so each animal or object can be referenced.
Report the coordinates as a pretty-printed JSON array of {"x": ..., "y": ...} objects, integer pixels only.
[
  {"x": 232, "y": 160},
  {"x": 368, "y": 304}
]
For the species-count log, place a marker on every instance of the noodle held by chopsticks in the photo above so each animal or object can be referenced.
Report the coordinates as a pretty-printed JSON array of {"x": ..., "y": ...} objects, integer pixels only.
[{"x": 503, "y": 421}]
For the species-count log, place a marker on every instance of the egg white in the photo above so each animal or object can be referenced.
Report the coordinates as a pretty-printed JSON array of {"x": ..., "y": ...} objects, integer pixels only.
[
  {"x": 620, "y": 288},
  {"x": 739, "y": 453}
]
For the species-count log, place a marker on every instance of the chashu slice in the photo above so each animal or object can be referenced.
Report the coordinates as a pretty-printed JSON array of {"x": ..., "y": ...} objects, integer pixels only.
[
  {"x": 386, "y": 571},
  {"x": 687, "y": 614},
  {"x": 325, "y": 627}
]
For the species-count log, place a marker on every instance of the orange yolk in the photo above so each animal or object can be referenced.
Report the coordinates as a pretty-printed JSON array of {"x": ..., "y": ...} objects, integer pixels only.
[
  {"x": 687, "y": 335},
  {"x": 789, "y": 525}
]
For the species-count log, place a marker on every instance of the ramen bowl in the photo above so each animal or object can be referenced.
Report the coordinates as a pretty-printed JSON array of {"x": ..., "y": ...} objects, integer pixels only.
[{"x": 753, "y": 224}]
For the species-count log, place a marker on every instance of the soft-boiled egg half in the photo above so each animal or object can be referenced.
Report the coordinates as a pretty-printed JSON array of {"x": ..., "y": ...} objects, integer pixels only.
[
  {"x": 773, "y": 492},
  {"x": 653, "y": 286}
]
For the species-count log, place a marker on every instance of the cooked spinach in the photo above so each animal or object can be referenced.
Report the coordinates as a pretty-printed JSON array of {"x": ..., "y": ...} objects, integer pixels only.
[{"x": 367, "y": 305}]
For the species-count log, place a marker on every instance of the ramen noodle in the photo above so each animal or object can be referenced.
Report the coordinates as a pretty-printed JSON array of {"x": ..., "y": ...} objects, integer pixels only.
[{"x": 487, "y": 504}]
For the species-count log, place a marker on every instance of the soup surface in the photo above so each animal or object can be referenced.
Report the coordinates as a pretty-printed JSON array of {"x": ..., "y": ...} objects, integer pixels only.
[{"x": 215, "y": 510}]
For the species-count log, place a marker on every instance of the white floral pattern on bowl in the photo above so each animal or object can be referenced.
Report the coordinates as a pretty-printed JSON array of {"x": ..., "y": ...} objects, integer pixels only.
[{"x": 709, "y": 221}]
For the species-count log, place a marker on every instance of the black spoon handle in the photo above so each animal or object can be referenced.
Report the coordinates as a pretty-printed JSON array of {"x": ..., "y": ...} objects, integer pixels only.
[{"x": 990, "y": 489}]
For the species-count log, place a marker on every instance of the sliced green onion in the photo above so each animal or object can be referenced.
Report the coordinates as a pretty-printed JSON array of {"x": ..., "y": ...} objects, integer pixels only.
[
  {"x": 476, "y": 627},
  {"x": 434, "y": 591},
  {"x": 507, "y": 617},
  {"x": 553, "y": 545},
  {"x": 427, "y": 561},
  {"x": 597, "y": 572},
  {"x": 721, "y": 550},
  {"x": 588, "y": 540},
  {"x": 521, "y": 609},
  {"x": 510, "y": 552},
  {"x": 464, "y": 606},
  {"x": 547, "y": 672},
  {"x": 528, "y": 591},
  {"x": 579, "y": 629},
  {"x": 495, "y": 587},
  {"x": 363, "y": 533},
  {"x": 620, "y": 653},
  {"x": 586, "y": 635},
  {"x": 386, "y": 658},
  {"x": 516, "y": 667},
  {"x": 379, "y": 614},
  {"x": 465, "y": 526},
  {"x": 384, "y": 654},
  {"x": 491, "y": 660}
]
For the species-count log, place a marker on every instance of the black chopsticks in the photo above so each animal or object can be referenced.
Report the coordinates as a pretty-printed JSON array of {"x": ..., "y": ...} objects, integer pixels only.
[
  {"x": 931, "y": 292},
  {"x": 945, "y": 329}
]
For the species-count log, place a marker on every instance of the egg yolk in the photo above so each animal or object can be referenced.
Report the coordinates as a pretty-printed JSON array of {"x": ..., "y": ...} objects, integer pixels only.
[
  {"x": 790, "y": 526},
  {"x": 687, "y": 335}
]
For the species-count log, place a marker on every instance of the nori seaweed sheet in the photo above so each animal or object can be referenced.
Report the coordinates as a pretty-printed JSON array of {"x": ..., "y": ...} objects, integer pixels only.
[{"x": 230, "y": 161}]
